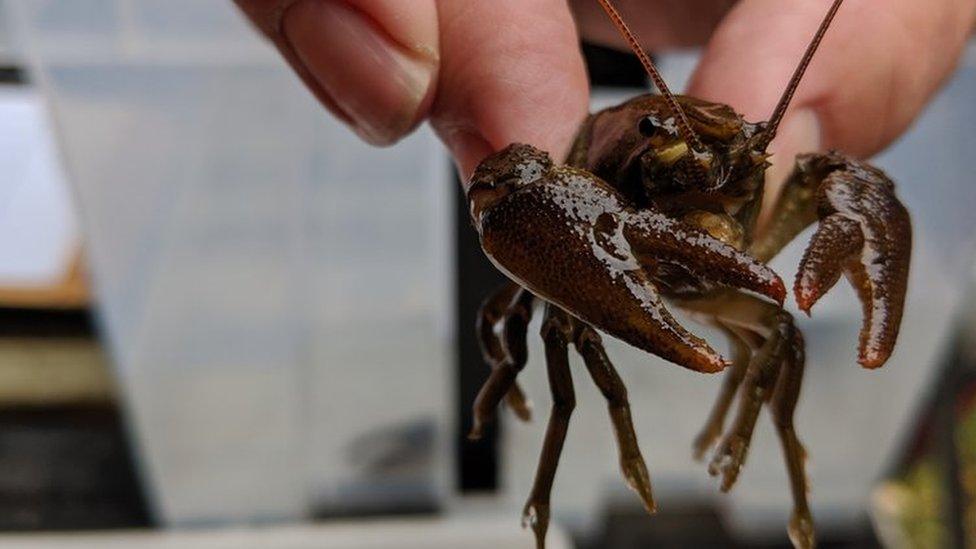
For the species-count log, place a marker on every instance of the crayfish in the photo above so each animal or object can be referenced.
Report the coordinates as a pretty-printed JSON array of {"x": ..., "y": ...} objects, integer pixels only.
[{"x": 658, "y": 202}]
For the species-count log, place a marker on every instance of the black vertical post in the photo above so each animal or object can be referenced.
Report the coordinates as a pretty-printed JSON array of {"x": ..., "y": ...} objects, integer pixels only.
[{"x": 476, "y": 278}]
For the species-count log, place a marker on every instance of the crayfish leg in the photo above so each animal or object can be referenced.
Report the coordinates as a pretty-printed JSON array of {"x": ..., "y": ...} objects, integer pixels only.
[
  {"x": 557, "y": 331},
  {"x": 741, "y": 355},
  {"x": 782, "y": 406},
  {"x": 774, "y": 375},
  {"x": 502, "y": 325},
  {"x": 590, "y": 347}
]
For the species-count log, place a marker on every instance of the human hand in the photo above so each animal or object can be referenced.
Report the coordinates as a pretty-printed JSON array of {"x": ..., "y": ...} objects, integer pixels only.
[{"x": 488, "y": 73}]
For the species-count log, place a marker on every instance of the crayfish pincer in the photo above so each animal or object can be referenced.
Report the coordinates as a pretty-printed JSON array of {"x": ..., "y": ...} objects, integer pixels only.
[{"x": 656, "y": 205}]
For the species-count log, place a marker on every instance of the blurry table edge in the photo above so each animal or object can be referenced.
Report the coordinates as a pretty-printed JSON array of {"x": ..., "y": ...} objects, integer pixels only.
[{"x": 447, "y": 532}]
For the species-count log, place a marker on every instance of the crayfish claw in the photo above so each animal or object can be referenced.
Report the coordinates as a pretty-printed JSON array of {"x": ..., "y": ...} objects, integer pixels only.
[
  {"x": 657, "y": 331},
  {"x": 559, "y": 232},
  {"x": 657, "y": 238},
  {"x": 865, "y": 232},
  {"x": 832, "y": 248}
]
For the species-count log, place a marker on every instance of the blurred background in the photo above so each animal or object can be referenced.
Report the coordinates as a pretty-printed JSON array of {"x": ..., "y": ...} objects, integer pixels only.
[{"x": 225, "y": 322}]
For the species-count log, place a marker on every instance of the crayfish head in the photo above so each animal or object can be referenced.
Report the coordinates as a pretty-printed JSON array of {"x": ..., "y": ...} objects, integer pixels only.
[
  {"x": 639, "y": 148},
  {"x": 503, "y": 173}
]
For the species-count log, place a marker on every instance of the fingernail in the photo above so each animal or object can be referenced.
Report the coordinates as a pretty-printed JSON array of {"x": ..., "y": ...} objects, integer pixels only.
[{"x": 379, "y": 85}]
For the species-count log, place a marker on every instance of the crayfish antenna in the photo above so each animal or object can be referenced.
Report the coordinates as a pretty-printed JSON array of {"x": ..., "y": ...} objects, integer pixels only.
[
  {"x": 801, "y": 69},
  {"x": 684, "y": 126}
]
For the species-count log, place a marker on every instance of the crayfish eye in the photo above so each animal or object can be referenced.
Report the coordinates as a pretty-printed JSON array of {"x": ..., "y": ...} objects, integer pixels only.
[{"x": 647, "y": 126}]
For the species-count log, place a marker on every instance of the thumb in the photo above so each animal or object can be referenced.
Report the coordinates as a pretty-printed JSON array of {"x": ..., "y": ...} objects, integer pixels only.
[{"x": 373, "y": 63}]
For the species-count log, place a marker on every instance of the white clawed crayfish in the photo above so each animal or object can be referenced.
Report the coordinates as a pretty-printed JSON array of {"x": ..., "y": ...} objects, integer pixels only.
[{"x": 658, "y": 202}]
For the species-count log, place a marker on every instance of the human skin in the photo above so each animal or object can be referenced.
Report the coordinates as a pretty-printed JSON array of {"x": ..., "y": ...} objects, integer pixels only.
[{"x": 489, "y": 73}]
